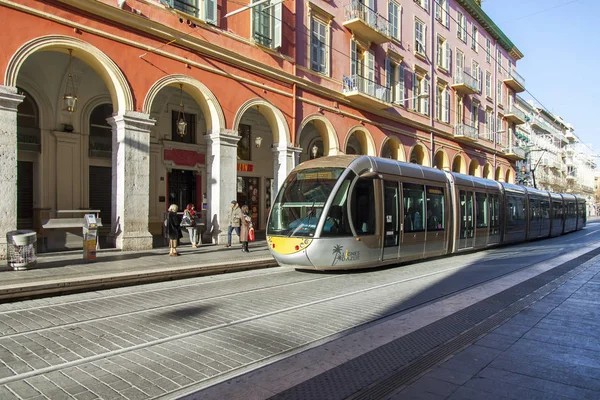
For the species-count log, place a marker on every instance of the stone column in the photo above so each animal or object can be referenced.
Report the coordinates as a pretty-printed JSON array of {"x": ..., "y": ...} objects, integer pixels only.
[
  {"x": 221, "y": 182},
  {"x": 284, "y": 160},
  {"x": 9, "y": 100},
  {"x": 131, "y": 180}
]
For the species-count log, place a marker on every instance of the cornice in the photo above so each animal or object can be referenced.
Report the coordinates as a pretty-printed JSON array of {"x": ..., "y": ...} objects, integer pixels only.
[{"x": 486, "y": 22}]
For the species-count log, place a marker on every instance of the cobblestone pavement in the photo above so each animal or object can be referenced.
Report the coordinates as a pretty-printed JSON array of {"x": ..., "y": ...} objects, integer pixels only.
[{"x": 175, "y": 338}]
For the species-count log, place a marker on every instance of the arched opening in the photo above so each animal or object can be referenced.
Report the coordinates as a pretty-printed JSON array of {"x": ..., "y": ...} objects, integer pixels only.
[
  {"x": 418, "y": 155},
  {"x": 360, "y": 141},
  {"x": 392, "y": 149},
  {"x": 459, "y": 165},
  {"x": 317, "y": 138},
  {"x": 441, "y": 160},
  {"x": 499, "y": 176},
  {"x": 487, "y": 171},
  {"x": 474, "y": 167},
  {"x": 509, "y": 177}
]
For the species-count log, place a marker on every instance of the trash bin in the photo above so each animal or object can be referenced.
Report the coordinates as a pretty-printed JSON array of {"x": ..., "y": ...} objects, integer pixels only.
[{"x": 21, "y": 252}]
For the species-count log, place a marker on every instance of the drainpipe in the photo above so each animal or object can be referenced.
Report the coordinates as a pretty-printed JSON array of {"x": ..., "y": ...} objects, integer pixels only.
[{"x": 432, "y": 89}]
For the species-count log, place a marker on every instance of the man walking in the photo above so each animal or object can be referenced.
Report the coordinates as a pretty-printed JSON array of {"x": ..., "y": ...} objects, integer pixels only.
[{"x": 235, "y": 220}]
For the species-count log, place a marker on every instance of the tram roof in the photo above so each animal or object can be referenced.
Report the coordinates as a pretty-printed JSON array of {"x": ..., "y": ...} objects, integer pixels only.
[
  {"x": 538, "y": 192},
  {"x": 473, "y": 181}
]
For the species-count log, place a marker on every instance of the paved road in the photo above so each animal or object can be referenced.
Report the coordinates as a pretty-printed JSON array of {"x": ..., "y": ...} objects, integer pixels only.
[{"x": 176, "y": 338}]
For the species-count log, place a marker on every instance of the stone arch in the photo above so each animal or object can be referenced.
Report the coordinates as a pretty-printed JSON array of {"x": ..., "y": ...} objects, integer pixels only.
[
  {"x": 274, "y": 117},
  {"x": 418, "y": 155},
  {"x": 459, "y": 165},
  {"x": 365, "y": 139},
  {"x": 326, "y": 131},
  {"x": 474, "y": 168},
  {"x": 109, "y": 72},
  {"x": 441, "y": 160},
  {"x": 499, "y": 176},
  {"x": 394, "y": 147},
  {"x": 487, "y": 171},
  {"x": 215, "y": 119},
  {"x": 509, "y": 176}
]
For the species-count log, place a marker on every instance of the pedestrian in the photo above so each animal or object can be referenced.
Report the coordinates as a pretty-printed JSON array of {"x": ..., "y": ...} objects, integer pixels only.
[
  {"x": 173, "y": 229},
  {"x": 191, "y": 216},
  {"x": 235, "y": 220},
  {"x": 245, "y": 229}
]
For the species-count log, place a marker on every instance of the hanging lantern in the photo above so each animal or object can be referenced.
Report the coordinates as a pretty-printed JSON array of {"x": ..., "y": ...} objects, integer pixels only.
[
  {"x": 70, "y": 96},
  {"x": 181, "y": 124}
]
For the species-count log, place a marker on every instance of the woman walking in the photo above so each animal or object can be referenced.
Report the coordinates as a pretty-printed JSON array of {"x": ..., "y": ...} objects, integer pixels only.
[
  {"x": 246, "y": 223},
  {"x": 173, "y": 229},
  {"x": 191, "y": 214}
]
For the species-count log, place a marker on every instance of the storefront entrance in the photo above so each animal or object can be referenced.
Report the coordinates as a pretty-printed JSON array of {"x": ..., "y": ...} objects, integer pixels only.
[
  {"x": 182, "y": 188},
  {"x": 248, "y": 194}
]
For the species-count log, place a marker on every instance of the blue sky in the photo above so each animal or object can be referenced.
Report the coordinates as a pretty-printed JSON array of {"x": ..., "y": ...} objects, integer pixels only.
[{"x": 560, "y": 40}]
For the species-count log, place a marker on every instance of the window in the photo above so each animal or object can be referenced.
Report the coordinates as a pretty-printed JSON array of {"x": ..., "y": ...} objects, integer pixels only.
[
  {"x": 363, "y": 213},
  {"x": 499, "y": 60},
  {"x": 394, "y": 19},
  {"x": 515, "y": 212},
  {"x": 28, "y": 123},
  {"x": 475, "y": 115},
  {"x": 362, "y": 68},
  {"x": 499, "y": 94},
  {"x": 499, "y": 129},
  {"x": 488, "y": 84},
  {"x": 476, "y": 74},
  {"x": 414, "y": 207},
  {"x": 100, "y": 140},
  {"x": 318, "y": 46},
  {"x": 460, "y": 63},
  {"x": 489, "y": 122},
  {"x": 461, "y": 27},
  {"x": 244, "y": 148},
  {"x": 481, "y": 210},
  {"x": 420, "y": 47},
  {"x": 394, "y": 75},
  {"x": 203, "y": 9},
  {"x": 488, "y": 50},
  {"x": 442, "y": 103},
  {"x": 190, "y": 130},
  {"x": 474, "y": 38},
  {"x": 435, "y": 209},
  {"x": 337, "y": 222},
  {"x": 423, "y": 3},
  {"x": 459, "y": 110},
  {"x": 420, "y": 86},
  {"x": 443, "y": 53},
  {"x": 441, "y": 12},
  {"x": 266, "y": 23}
]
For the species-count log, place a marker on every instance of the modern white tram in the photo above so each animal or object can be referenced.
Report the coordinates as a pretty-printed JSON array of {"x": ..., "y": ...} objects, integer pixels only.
[{"x": 345, "y": 212}]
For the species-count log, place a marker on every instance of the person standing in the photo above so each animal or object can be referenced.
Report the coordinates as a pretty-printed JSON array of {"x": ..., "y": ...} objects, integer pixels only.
[
  {"x": 192, "y": 215},
  {"x": 235, "y": 220},
  {"x": 173, "y": 229},
  {"x": 245, "y": 228}
]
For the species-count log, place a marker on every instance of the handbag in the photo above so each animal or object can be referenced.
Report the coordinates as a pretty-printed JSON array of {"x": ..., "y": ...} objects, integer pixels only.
[
  {"x": 251, "y": 235},
  {"x": 186, "y": 221}
]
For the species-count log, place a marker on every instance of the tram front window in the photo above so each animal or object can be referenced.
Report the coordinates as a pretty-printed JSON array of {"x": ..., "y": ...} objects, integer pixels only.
[{"x": 300, "y": 201}]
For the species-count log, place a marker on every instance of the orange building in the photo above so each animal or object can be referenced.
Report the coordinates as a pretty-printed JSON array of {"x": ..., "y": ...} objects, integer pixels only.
[{"x": 128, "y": 106}]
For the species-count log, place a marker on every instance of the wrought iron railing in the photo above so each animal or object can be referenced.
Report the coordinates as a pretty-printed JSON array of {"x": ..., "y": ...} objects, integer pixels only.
[
  {"x": 358, "y": 10},
  {"x": 357, "y": 83},
  {"x": 29, "y": 139},
  {"x": 515, "y": 111},
  {"x": 464, "y": 130},
  {"x": 188, "y": 7},
  {"x": 464, "y": 78},
  {"x": 100, "y": 147},
  {"x": 518, "y": 78}
]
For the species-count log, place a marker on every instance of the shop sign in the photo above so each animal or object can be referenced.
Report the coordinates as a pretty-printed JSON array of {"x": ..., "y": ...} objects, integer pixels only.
[{"x": 245, "y": 167}]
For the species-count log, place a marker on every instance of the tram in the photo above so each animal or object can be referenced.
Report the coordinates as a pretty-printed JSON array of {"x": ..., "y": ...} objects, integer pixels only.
[{"x": 351, "y": 212}]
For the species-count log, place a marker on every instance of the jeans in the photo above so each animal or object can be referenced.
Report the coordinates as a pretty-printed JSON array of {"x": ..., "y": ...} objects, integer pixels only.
[
  {"x": 193, "y": 231},
  {"x": 231, "y": 229}
]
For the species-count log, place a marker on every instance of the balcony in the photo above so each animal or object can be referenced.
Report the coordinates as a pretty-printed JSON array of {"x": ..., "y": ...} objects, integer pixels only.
[
  {"x": 515, "y": 115},
  {"x": 515, "y": 81},
  {"x": 28, "y": 139},
  {"x": 466, "y": 132},
  {"x": 465, "y": 83},
  {"x": 366, "y": 23},
  {"x": 538, "y": 122},
  {"x": 366, "y": 92},
  {"x": 514, "y": 152}
]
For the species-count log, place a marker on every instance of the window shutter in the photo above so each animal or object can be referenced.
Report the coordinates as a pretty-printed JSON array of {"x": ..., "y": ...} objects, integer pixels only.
[
  {"x": 210, "y": 11},
  {"x": 447, "y": 14},
  {"x": 438, "y": 11},
  {"x": 448, "y": 64},
  {"x": 426, "y": 4},
  {"x": 415, "y": 90},
  {"x": 426, "y": 99},
  {"x": 388, "y": 73},
  {"x": 353, "y": 60},
  {"x": 439, "y": 106},
  {"x": 277, "y": 23},
  {"x": 438, "y": 52},
  {"x": 370, "y": 72},
  {"x": 400, "y": 84},
  {"x": 447, "y": 105}
]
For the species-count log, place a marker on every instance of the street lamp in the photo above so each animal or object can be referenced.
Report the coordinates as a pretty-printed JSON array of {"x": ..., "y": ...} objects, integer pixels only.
[{"x": 420, "y": 96}]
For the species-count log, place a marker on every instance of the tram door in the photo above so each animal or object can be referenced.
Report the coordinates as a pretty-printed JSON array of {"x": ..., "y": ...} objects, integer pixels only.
[
  {"x": 413, "y": 232},
  {"x": 495, "y": 232},
  {"x": 391, "y": 233},
  {"x": 467, "y": 232}
]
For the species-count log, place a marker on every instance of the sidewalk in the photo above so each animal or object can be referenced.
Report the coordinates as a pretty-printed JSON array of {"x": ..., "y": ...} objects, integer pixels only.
[{"x": 58, "y": 273}]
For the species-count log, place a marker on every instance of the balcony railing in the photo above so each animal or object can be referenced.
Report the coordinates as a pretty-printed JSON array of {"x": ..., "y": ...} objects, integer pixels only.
[
  {"x": 514, "y": 151},
  {"x": 366, "y": 22},
  {"x": 515, "y": 81},
  {"x": 100, "y": 147},
  {"x": 515, "y": 115},
  {"x": 366, "y": 91},
  {"x": 188, "y": 7},
  {"x": 466, "y": 131},
  {"x": 465, "y": 83},
  {"x": 29, "y": 139}
]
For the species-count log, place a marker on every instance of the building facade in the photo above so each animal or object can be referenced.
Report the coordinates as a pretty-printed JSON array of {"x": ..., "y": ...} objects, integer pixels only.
[{"x": 127, "y": 106}]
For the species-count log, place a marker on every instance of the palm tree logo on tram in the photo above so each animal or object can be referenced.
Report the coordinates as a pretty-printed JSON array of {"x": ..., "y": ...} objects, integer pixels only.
[{"x": 337, "y": 253}]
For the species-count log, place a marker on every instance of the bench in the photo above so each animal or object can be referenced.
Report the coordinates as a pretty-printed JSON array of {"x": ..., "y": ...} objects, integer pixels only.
[{"x": 56, "y": 222}]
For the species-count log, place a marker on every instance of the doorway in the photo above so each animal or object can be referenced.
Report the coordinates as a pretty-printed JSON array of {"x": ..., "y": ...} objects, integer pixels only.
[
  {"x": 182, "y": 188},
  {"x": 24, "y": 195}
]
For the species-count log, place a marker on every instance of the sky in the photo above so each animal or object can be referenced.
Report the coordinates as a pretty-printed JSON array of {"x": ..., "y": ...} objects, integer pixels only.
[{"x": 560, "y": 41}]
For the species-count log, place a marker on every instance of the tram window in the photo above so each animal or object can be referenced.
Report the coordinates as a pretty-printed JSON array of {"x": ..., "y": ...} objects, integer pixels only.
[
  {"x": 363, "y": 210},
  {"x": 544, "y": 209},
  {"x": 435, "y": 209},
  {"x": 556, "y": 210},
  {"x": 337, "y": 223},
  {"x": 515, "y": 211},
  {"x": 534, "y": 209},
  {"x": 494, "y": 211},
  {"x": 414, "y": 207},
  {"x": 481, "y": 210}
]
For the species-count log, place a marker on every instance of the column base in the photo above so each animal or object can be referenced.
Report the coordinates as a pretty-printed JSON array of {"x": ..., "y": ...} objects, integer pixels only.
[
  {"x": 134, "y": 241},
  {"x": 3, "y": 248}
]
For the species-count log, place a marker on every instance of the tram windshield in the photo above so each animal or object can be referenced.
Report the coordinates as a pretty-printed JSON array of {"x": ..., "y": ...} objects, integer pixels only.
[{"x": 300, "y": 201}]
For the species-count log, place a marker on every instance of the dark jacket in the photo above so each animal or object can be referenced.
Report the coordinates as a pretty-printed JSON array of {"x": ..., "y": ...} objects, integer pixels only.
[{"x": 173, "y": 229}]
